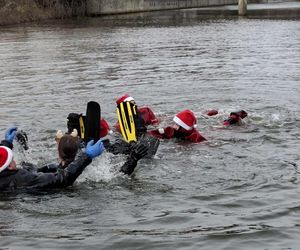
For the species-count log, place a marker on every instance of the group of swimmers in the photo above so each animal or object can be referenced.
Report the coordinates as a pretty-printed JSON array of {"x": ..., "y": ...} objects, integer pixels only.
[{"x": 73, "y": 160}]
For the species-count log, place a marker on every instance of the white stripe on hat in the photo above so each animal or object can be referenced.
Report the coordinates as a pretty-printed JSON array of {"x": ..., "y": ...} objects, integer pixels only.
[
  {"x": 181, "y": 123},
  {"x": 128, "y": 99},
  {"x": 9, "y": 158}
]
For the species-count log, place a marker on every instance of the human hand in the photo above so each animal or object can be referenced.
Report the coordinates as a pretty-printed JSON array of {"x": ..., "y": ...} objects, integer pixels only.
[
  {"x": 10, "y": 134},
  {"x": 139, "y": 151},
  {"x": 22, "y": 139},
  {"x": 94, "y": 149}
]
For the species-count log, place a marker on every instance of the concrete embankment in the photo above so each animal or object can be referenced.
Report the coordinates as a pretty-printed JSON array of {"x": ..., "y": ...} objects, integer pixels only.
[
  {"x": 100, "y": 7},
  {"x": 20, "y": 11},
  {"x": 255, "y": 8}
]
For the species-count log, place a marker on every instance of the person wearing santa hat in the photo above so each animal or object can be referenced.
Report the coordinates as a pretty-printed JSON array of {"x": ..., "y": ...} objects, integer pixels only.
[
  {"x": 184, "y": 128},
  {"x": 145, "y": 116},
  {"x": 12, "y": 178},
  {"x": 235, "y": 118}
]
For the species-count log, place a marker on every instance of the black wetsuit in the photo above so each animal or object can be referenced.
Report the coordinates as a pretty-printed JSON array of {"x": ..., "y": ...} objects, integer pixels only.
[
  {"x": 127, "y": 168},
  {"x": 29, "y": 177}
]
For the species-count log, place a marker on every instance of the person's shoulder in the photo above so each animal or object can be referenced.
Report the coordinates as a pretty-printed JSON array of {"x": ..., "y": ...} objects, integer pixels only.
[
  {"x": 144, "y": 109},
  {"x": 195, "y": 136}
]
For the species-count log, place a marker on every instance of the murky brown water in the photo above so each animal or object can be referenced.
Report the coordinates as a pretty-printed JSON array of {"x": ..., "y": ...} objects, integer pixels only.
[{"x": 238, "y": 191}]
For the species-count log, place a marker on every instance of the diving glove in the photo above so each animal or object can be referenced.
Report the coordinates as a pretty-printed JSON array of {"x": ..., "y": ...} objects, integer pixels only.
[
  {"x": 22, "y": 139},
  {"x": 10, "y": 134},
  {"x": 94, "y": 149},
  {"x": 139, "y": 151}
]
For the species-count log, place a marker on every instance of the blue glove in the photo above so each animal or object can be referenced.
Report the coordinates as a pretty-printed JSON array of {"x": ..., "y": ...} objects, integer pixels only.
[
  {"x": 94, "y": 150},
  {"x": 10, "y": 134}
]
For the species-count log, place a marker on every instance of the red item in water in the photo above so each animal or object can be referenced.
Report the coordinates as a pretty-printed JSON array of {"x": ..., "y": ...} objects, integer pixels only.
[{"x": 212, "y": 112}]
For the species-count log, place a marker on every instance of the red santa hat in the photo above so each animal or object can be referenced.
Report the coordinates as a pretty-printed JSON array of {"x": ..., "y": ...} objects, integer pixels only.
[
  {"x": 6, "y": 157},
  {"x": 186, "y": 119},
  {"x": 104, "y": 128},
  {"x": 124, "y": 98}
]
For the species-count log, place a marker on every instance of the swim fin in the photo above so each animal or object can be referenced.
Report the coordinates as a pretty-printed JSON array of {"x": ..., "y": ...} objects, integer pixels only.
[
  {"x": 92, "y": 122},
  {"x": 127, "y": 114}
]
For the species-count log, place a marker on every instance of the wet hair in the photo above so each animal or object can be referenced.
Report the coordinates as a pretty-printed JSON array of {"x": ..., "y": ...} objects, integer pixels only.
[{"x": 67, "y": 148}]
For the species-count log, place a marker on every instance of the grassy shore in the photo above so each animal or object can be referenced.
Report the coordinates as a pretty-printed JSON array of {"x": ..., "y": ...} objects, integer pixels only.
[{"x": 20, "y": 11}]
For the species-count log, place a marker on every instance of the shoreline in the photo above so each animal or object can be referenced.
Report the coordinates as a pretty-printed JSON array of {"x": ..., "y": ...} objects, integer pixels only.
[{"x": 41, "y": 10}]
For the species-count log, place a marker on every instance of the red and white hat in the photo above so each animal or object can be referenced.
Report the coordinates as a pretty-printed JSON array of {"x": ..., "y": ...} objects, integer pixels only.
[
  {"x": 186, "y": 119},
  {"x": 124, "y": 98},
  {"x": 104, "y": 128},
  {"x": 6, "y": 157}
]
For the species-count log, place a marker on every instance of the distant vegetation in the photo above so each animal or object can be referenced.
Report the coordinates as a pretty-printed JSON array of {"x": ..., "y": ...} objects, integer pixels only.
[{"x": 20, "y": 11}]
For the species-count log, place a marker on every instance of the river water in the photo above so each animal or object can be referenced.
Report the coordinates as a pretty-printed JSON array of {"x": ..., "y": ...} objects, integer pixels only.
[{"x": 239, "y": 190}]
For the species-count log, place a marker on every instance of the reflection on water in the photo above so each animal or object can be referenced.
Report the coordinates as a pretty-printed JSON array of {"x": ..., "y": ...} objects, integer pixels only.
[{"x": 237, "y": 191}]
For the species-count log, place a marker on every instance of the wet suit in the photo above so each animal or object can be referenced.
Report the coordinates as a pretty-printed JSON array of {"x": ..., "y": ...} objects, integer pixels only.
[
  {"x": 28, "y": 177},
  {"x": 169, "y": 132},
  {"x": 127, "y": 168}
]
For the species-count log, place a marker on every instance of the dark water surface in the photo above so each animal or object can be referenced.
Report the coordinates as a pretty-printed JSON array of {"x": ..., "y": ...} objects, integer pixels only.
[{"x": 240, "y": 190}]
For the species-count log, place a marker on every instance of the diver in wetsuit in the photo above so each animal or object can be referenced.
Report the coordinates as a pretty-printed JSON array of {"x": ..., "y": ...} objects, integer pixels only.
[{"x": 13, "y": 178}]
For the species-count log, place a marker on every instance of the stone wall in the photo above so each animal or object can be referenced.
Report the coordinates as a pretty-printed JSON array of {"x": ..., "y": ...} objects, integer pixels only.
[{"x": 100, "y": 7}]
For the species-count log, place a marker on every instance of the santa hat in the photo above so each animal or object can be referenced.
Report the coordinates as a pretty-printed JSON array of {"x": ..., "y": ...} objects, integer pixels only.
[
  {"x": 104, "y": 128},
  {"x": 124, "y": 98},
  {"x": 185, "y": 119},
  {"x": 6, "y": 156}
]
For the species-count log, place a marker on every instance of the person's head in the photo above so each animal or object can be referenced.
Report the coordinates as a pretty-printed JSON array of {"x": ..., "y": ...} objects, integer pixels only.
[
  {"x": 67, "y": 148},
  {"x": 6, "y": 159},
  {"x": 125, "y": 98},
  {"x": 185, "y": 119},
  {"x": 60, "y": 134},
  {"x": 241, "y": 114}
]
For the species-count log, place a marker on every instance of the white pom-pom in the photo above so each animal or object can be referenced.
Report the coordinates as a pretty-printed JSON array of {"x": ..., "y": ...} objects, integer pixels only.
[
  {"x": 161, "y": 130},
  {"x": 110, "y": 132},
  {"x": 195, "y": 126}
]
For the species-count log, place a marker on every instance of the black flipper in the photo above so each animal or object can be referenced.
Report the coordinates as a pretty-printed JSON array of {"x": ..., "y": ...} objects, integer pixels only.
[
  {"x": 127, "y": 114},
  {"x": 92, "y": 122}
]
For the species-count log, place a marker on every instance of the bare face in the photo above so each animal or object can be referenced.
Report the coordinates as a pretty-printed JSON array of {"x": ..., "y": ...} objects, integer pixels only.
[
  {"x": 175, "y": 126},
  {"x": 12, "y": 165}
]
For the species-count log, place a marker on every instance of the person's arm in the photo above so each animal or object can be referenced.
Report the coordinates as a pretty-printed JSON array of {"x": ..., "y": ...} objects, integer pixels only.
[
  {"x": 50, "y": 168},
  {"x": 163, "y": 133},
  {"x": 195, "y": 137},
  {"x": 62, "y": 178},
  {"x": 66, "y": 177},
  {"x": 10, "y": 135}
]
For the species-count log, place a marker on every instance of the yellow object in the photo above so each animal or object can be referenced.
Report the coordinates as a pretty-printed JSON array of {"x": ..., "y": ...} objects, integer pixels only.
[
  {"x": 81, "y": 124},
  {"x": 126, "y": 121}
]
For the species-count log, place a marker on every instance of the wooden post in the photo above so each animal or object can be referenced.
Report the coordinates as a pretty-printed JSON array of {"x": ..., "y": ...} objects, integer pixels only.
[{"x": 242, "y": 7}]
